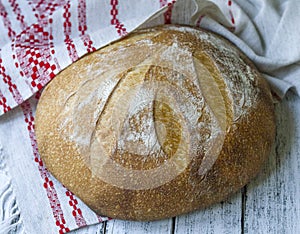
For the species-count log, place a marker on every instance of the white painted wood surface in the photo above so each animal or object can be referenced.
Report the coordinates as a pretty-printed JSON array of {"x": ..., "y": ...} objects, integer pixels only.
[
  {"x": 220, "y": 218},
  {"x": 269, "y": 204},
  {"x": 273, "y": 199},
  {"x": 156, "y": 227}
]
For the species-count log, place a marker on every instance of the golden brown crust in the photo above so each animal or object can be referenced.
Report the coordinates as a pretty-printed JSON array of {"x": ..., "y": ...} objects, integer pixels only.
[{"x": 166, "y": 121}]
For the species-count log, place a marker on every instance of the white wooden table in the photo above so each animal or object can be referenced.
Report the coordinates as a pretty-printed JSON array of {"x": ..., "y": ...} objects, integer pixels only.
[{"x": 269, "y": 204}]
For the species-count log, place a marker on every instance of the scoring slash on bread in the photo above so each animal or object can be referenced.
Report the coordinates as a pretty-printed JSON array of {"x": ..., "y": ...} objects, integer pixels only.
[{"x": 165, "y": 121}]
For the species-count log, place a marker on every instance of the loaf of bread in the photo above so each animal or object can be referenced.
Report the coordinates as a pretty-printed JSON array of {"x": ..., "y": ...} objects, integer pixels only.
[{"x": 162, "y": 122}]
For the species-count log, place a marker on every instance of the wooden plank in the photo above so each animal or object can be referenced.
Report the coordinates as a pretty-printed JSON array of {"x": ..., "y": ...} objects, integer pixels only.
[
  {"x": 273, "y": 199},
  {"x": 220, "y": 218},
  {"x": 130, "y": 227},
  {"x": 92, "y": 229}
]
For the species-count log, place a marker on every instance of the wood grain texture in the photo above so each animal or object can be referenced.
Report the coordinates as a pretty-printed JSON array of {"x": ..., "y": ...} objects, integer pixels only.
[
  {"x": 95, "y": 229},
  {"x": 273, "y": 199},
  {"x": 224, "y": 217},
  {"x": 127, "y": 227}
]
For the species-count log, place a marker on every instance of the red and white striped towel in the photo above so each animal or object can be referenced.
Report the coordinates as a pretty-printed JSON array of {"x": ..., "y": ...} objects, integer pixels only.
[{"x": 39, "y": 38}]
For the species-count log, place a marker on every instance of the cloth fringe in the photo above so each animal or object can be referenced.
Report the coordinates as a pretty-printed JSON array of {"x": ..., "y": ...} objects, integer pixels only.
[{"x": 10, "y": 219}]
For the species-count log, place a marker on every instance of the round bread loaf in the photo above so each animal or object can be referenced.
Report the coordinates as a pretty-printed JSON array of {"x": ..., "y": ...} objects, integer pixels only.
[{"x": 165, "y": 121}]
